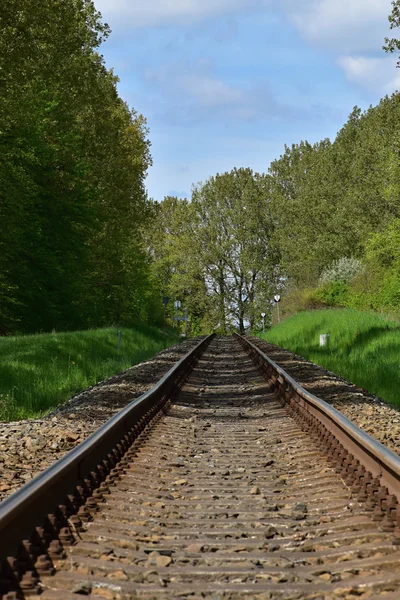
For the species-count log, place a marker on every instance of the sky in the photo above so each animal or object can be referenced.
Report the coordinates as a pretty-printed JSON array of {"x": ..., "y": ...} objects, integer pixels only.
[{"x": 227, "y": 83}]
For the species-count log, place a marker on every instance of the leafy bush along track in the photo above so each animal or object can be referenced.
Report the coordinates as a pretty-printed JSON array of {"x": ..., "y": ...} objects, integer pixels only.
[{"x": 224, "y": 494}]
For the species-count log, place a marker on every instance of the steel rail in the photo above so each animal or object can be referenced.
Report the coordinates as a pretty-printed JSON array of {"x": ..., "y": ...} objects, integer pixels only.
[
  {"x": 27, "y": 508},
  {"x": 381, "y": 462}
]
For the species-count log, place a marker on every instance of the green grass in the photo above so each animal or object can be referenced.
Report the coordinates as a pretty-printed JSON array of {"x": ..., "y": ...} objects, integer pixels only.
[
  {"x": 38, "y": 372},
  {"x": 363, "y": 347}
]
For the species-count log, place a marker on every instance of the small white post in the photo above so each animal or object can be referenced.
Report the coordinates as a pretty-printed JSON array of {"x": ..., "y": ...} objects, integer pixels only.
[{"x": 324, "y": 339}]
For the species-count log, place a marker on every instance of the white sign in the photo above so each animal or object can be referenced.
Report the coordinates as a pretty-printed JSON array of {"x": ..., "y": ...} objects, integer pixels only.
[{"x": 277, "y": 298}]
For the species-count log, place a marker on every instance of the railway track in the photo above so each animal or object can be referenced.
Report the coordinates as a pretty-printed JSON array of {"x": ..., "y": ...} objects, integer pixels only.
[{"x": 238, "y": 484}]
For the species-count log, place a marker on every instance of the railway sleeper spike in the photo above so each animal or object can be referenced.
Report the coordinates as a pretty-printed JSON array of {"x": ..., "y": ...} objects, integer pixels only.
[
  {"x": 379, "y": 511},
  {"x": 119, "y": 448},
  {"x": 56, "y": 550},
  {"x": 106, "y": 464},
  {"x": 346, "y": 467},
  {"x": 44, "y": 565},
  {"x": 391, "y": 512},
  {"x": 92, "y": 505},
  {"x": 353, "y": 478},
  {"x": 370, "y": 503},
  {"x": 62, "y": 515},
  {"x": 66, "y": 537},
  {"x": 84, "y": 514},
  {"x": 76, "y": 523},
  {"x": 29, "y": 584},
  {"x": 98, "y": 496},
  {"x": 11, "y": 596},
  {"x": 104, "y": 488}
]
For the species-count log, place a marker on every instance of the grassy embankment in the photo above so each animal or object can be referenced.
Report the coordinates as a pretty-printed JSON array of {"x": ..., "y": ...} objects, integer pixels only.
[
  {"x": 38, "y": 372},
  {"x": 363, "y": 348}
]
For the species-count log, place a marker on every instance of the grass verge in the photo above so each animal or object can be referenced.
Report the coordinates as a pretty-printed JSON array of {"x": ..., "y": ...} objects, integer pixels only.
[
  {"x": 363, "y": 347},
  {"x": 38, "y": 372}
]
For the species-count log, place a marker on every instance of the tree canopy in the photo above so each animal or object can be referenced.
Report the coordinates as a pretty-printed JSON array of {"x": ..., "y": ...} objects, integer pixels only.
[
  {"x": 73, "y": 161},
  {"x": 215, "y": 253}
]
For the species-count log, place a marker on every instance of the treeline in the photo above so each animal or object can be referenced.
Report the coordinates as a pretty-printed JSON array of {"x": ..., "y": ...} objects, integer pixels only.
[
  {"x": 337, "y": 211},
  {"x": 82, "y": 246},
  {"x": 73, "y": 159},
  {"x": 322, "y": 228}
]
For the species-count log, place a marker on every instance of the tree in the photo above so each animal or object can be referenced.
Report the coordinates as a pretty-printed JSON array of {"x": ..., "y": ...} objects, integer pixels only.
[
  {"x": 393, "y": 44},
  {"x": 173, "y": 246},
  {"x": 73, "y": 158}
]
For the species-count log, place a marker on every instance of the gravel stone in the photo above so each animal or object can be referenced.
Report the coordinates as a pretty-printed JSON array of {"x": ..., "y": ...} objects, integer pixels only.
[
  {"x": 28, "y": 447},
  {"x": 369, "y": 412}
]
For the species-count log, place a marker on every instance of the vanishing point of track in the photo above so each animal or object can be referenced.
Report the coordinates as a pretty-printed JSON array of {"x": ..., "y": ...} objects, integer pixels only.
[{"x": 228, "y": 481}]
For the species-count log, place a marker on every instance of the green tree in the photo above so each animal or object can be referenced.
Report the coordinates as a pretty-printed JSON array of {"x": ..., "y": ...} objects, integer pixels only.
[
  {"x": 73, "y": 158},
  {"x": 174, "y": 248},
  {"x": 393, "y": 44},
  {"x": 234, "y": 247}
]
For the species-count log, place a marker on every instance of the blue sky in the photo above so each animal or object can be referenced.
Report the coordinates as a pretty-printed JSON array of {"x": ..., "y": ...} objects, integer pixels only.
[{"x": 226, "y": 83}]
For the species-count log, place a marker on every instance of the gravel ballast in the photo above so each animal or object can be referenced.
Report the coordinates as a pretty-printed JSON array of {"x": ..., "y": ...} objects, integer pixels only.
[
  {"x": 376, "y": 417},
  {"x": 28, "y": 447}
]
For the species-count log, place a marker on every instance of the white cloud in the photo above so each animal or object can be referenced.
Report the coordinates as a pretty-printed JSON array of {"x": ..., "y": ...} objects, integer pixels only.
[
  {"x": 196, "y": 83},
  {"x": 373, "y": 74},
  {"x": 195, "y": 92},
  {"x": 210, "y": 91},
  {"x": 343, "y": 25},
  {"x": 144, "y": 13}
]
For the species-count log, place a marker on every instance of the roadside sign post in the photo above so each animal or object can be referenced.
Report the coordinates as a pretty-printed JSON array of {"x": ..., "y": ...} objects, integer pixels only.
[
  {"x": 277, "y": 299},
  {"x": 263, "y": 320}
]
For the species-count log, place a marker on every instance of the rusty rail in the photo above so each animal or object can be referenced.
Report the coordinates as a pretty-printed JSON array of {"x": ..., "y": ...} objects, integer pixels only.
[
  {"x": 38, "y": 516},
  {"x": 366, "y": 464}
]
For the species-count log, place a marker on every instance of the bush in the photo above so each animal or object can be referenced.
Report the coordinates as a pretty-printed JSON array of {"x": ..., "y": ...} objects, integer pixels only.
[
  {"x": 333, "y": 294},
  {"x": 342, "y": 270}
]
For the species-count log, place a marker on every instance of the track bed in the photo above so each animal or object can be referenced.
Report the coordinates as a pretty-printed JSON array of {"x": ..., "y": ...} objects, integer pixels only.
[{"x": 228, "y": 498}]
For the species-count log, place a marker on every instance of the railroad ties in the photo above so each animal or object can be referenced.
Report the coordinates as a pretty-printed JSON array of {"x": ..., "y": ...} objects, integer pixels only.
[{"x": 224, "y": 495}]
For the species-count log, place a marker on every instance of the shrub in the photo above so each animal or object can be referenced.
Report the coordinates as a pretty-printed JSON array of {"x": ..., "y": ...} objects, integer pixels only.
[
  {"x": 342, "y": 270},
  {"x": 334, "y": 293}
]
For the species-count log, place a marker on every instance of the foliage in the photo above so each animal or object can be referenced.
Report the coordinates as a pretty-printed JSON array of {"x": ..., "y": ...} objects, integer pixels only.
[
  {"x": 328, "y": 199},
  {"x": 215, "y": 253},
  {"x": 73, "y": 161},
  {"x": 342, "y": 270},
  {"x": 299, "y": 299},
  {"x": 39, "y": 372},
  {"x": 334, "y": 293},
  {"x": 363, "y": 347},
  {"x": 393, "y": 44},
  {"x": 380, "y": 285}
]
